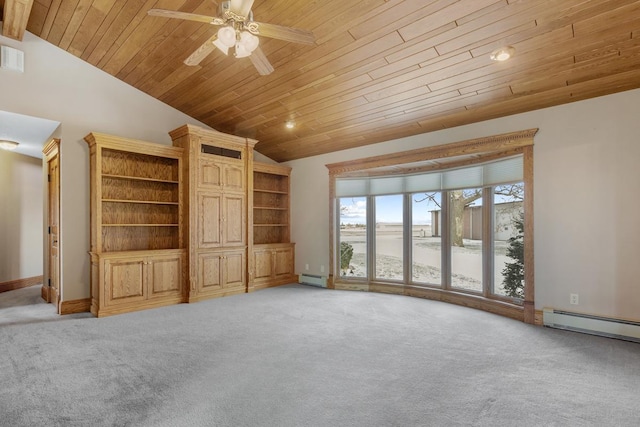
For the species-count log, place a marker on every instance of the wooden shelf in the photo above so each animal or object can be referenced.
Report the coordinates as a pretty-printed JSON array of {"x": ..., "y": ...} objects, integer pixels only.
[
  {"x": 271, "y": 204},
  {"x": 138, "y": 178},
  {"x": 257, "y": 190},
  {"x": 140, "y": 225},
  {"x": 144, "y": 202}
]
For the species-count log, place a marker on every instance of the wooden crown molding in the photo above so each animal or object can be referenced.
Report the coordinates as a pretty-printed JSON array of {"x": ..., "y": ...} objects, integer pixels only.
[
  {"x": 201, "y": 132},
  {"x": 484, "y": 145}
]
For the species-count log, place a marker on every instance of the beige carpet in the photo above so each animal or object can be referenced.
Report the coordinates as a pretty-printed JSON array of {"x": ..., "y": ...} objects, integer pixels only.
[{"x": 303, "y": 356}]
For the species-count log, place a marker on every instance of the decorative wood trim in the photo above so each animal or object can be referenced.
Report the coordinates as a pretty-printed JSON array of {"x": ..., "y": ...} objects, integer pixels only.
[
  {"x": 16, "y": 16},
  {"x": 134, "y": 145},
  {"x": 75, "y": 306},
  {"x": 210, "y": 134},
  {"x": 538, "y": 320},
  {"x": 484, "y": 145},
  {"x": 51, "y": 149},
  {"x": 459, "y": 298},
  {"x": 44, "y": 293},
  {"x": 529, "y": 278},
  {"x": 20, "y": 283},
  {"x": 271, "y": 168}
]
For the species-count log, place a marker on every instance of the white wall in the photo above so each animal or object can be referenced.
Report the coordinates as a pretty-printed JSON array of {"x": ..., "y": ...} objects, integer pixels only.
[
  {"x": 21, "y": 194},
  {"x": 587, "y": 232},
  {"x": 61, "y": 87}
]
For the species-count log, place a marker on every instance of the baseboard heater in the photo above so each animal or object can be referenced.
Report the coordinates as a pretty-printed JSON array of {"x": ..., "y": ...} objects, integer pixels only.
[
  {"x": 594, "y": 325},
  {"x": 313, "y": 280}
]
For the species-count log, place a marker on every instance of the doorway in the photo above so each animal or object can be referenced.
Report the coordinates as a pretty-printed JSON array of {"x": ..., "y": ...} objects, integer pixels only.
[{"x": 51, "y": 285}]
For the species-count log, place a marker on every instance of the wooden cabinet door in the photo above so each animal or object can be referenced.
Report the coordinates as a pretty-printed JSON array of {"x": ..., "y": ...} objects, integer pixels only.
[
  {"x": 233, "y": 178},
  {"x": 209, "y": 272},
  {"x": 209, "y": 220},
  {"x": 210, "y": 174},
  {"x": 233, "y": 220},
  {"x": 262, "y": 265},
  {"x": 221, "y": 175},
  {"x": 165, "y": 276},
  {"x": 234, "y": 269},
  {"x": 283, "y": 263},
  {"x": 124, "y": 280}
]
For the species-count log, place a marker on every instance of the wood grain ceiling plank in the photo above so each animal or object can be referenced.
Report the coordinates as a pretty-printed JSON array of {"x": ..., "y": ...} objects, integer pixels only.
[
  {"x": 342, "y": 16},
  {"x": 450, "y": 13},
  {"x": 77, "y": 17},
  {"x": 405, "y": 63},
  {"x": 573, "y": 11},
  {"x": 116, "y": 22},
  {"x": 63, "y": 18},
  {"x": 37, "y": 17},
  {"x": 169, "y": 51},
  {"x": 163, "y": 45},
  {"x": 52, "y": 11},
  {"x": 94, "y": 18},
  {"x": 130, "y": 42},
  {"x": 392, "y": 18},
  {"x": 625, "y": 16},
  {"x": 418, "y": 44},
  {"x": 477, "y": 15},
  {"x": 609, "y": 84}
]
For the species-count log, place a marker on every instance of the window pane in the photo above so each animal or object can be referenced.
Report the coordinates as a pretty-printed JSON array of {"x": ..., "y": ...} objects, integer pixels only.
[
  {"x": 508, "y": 240},
  {"x": 426, "y": 239},
  {"x": 389, "y": 237},
  {"x": 353, "y": 237},
  {"x": 465, "y": 207}
]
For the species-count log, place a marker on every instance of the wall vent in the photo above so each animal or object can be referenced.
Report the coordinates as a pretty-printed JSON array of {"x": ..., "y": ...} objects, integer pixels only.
[
  {"x": 11, "y": 59},
  {"x": 313, "y": 280},
  {"x": 594, "y": 325}
]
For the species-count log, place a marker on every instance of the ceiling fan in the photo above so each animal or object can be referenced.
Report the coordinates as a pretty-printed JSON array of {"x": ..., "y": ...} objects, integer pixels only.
[{"x": 239, "y": 31}]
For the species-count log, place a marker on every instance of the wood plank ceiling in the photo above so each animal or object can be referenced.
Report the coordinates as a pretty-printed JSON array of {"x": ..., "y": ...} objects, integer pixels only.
[{"x": 379, "y": 70}]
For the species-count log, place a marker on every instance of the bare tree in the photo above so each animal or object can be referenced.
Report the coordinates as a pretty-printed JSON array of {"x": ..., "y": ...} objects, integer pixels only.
[{"x": 459, "y": 199}]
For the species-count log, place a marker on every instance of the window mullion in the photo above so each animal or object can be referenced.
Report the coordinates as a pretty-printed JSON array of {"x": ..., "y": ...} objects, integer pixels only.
[
  {"x": 371, "y": 238},
  {"x": 487, "y": 241},
  {"x": 445, "y": 233},
  {"x": 407, "y": 229}
]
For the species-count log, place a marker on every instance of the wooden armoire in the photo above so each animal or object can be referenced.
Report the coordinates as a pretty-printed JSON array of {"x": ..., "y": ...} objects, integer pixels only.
[{"x": 216, "y": 173}]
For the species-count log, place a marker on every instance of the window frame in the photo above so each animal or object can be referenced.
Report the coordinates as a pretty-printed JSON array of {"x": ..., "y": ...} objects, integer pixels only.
[{"x": 455, "y": 155}]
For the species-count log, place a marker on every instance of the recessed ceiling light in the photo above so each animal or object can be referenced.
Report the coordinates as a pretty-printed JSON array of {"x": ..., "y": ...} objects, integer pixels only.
[
  {"x": 290, "y": 124},
  {"x": 8, "y": 145},
  {"x": 503, "y": 53}
]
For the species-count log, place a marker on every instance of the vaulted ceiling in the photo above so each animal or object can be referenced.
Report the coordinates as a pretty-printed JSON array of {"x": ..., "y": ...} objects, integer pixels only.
[{"x": 379, "y": 69}]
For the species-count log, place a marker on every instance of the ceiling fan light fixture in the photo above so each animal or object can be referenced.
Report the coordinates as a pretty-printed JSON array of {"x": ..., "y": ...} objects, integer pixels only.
[
  {"x": 226, "y": 39},
  {"x": 502, "y": 54},
  {"x": 5, "y": 144},
  {"x": 246, "y": 44}
]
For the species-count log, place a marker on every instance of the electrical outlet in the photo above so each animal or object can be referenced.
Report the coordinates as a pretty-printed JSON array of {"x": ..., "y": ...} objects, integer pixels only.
[
  {"x": 306, "y": 267},
  {"x": 322, "y": 269},
  {"x": 573, "y": 299}
]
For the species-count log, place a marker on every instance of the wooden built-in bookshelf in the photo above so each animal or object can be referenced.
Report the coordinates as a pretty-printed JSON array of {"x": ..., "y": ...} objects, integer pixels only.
[
  {"x": 273, "y": 252},
  {"x": 137, "y": 254}
]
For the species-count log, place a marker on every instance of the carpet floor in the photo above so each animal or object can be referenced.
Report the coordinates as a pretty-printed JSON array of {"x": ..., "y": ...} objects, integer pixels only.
[{"x": 303, "y": 356}]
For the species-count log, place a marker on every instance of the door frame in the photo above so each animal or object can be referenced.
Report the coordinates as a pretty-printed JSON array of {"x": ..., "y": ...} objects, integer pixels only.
[{"x": 51, "y": 151}]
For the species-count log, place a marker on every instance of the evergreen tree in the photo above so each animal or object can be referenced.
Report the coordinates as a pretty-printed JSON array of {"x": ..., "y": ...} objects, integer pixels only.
[
  {"x": 346, "y": 253},
  {"x": 513, "y": 272}
]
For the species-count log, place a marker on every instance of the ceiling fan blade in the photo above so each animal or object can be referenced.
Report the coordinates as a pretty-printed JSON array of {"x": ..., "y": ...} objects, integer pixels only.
[
  {"x": 181, "y": 15},
  {"x": 260, "y": 61},
  {"x": 294, "y": 35},
  {"x": 200, "y": 53},
  {"x": 241, "y": 7}
]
